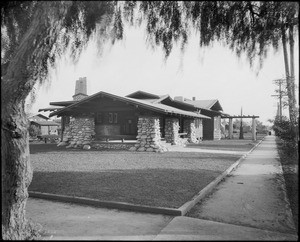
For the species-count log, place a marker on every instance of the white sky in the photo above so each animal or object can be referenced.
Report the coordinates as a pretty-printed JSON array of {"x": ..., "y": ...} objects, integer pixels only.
[{"x": 209, "y": 73}]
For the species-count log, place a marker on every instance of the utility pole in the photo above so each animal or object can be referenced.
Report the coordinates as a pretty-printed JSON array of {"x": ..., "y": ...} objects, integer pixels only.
[
  {"x": 241, "y": 126},
  {"x": 279, "y": 83}
]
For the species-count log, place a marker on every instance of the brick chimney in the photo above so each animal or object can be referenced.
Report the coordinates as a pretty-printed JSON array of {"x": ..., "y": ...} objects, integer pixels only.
[
  {"x": 194, "y": 98},
  {"x": 80, "y": 89}
]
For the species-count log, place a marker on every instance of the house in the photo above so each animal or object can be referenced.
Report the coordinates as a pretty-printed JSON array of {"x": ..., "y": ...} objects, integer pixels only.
[
  {"x": 211, "y": 108},
  {"x": 143, "y": 117},
  {"x": 44, "y": 125}
]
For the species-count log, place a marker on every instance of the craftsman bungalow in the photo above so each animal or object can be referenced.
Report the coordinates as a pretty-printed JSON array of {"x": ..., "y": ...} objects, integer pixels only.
[{"x": 141, "y": 116}]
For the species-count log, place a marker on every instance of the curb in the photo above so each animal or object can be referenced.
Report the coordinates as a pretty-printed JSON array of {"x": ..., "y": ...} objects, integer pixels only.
[
  {"x": 106, "y": 204},
  {"x": 205, "y": 191},
  {"x": 140, "y": 208}
]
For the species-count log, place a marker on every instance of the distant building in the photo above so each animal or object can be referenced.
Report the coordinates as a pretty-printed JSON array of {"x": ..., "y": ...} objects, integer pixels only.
[{"x": 46, "y": 127}]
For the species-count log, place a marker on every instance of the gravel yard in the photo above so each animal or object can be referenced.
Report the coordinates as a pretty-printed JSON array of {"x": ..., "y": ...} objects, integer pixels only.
[{"x": 156, "y": 179}]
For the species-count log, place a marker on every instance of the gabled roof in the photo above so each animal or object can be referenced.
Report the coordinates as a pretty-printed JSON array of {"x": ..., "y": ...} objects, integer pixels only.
[
  {"x": 206, "y": 104},
  {"x": 143, "y": 95},
  {"x": 157, "y": 107},
  {"x": 45, "y": 123}
]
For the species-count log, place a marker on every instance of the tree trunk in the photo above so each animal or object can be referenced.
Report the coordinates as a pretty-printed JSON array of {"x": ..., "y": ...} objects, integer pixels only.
[
  {"x": 16, "y": 171},
  {"x": 292, "y": 81},
  {"x": 289, "y": 82}
]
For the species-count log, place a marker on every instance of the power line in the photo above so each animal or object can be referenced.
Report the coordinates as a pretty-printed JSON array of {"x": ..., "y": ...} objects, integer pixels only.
[{"x": 281, "y": 94}]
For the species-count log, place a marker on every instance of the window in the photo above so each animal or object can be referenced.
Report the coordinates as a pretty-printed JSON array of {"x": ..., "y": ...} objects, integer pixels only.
[
  {"x": 115, "y": 118},
  {"x": 110, "y": 118},
  {"x": 99, "y": 118}
]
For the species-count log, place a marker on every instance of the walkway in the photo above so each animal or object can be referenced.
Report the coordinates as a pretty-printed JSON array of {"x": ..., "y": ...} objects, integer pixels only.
[
  {"x": 250, "y": 204},
  {"x": 252, "y": 196}
]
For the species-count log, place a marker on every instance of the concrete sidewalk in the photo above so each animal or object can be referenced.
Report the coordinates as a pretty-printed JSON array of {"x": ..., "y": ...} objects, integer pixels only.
[{"x": 250, "y": 204}]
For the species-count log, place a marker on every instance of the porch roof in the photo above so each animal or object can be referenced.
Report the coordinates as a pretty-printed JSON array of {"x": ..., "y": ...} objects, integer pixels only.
[
  {"x": 45, "y": 123},
  {"x": 157, "y": 107},
  {"x": 51, "y": 108}
]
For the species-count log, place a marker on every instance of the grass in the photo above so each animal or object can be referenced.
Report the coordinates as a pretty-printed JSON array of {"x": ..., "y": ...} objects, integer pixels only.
[
  {"x": 152, "y": 187},
  {"x": 231, "y": 144},
  {"x": 289, "y": 158},
  {"x": 165, "y": 180}
]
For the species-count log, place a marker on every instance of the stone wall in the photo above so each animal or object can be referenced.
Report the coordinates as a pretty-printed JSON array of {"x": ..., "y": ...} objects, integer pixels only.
[
  {"x": 114, "y": 146},
  {"x": 148, "y": 138},
  {"x": 217, "y": 134},
  {"x": 190, "y": 129},
  {"x": 78, "y": 132},
  {"x": 171, "y": 131}
]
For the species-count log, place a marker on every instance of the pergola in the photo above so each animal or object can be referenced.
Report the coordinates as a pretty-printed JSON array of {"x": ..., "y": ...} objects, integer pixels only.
[{"x": 241, "y": 116}]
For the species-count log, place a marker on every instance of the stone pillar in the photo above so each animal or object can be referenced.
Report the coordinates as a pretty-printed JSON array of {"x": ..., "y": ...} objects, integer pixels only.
[
  {"x": 230, "y": 128},
  {"x": 171, "y": 131},
  {"x": 148, "y": 138},
  {"x": 63, "y": 119},
  {"x": 190, "y": 129},
  {"x": 253, "y": 129},
  {"x": 79, "y": 132}
]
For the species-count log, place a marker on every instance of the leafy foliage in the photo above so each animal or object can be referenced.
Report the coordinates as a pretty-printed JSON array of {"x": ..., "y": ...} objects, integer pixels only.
[
  {"x": 55, "y": 27},
  {"x": 283, "y": 129},
  {"x": 245, "y": 26},
  {"x": 34, "y": 130}
]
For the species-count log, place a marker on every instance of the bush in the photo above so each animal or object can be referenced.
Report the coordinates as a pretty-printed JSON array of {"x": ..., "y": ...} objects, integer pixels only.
[
  {"x": 34, "y": 131},
  {"x": 283, "y": 129}
]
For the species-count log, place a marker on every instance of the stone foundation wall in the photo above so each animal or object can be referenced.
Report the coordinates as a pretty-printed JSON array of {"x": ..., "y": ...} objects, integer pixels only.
[
  {"x": 114, "y": 146},
  {"x": 190, "y": 129},
  {"x": 78, "y": 133},
  {"x": 148, "y": 138},
  {"x": 171, "y": 131}
]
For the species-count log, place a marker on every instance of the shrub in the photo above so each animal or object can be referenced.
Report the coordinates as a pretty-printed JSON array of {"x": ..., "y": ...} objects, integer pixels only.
[
  {"x": 283, "y": 129},
  {"x": 34, "y": 131}
]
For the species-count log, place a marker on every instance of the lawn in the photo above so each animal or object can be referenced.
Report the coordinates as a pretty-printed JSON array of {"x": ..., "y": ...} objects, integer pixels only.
[
  {"x": 155, "y": 179},
  {"x": 235, "y": 144}
]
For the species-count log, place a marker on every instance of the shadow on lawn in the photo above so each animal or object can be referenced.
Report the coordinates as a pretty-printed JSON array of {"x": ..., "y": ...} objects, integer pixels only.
[
  {"x": 153, "y": 187},
  {"x": 42, "y": 148}
]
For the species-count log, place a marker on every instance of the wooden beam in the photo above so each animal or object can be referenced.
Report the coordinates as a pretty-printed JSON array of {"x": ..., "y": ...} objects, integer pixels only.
[{"x": 241, "y": 116}]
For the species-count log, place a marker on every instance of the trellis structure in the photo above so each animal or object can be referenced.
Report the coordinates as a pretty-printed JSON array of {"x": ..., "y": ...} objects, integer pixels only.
[{"x": 241, "y": 116}]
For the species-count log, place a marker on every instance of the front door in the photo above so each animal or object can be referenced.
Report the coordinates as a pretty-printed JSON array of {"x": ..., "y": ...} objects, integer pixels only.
[{"x": 130, "y": 126}]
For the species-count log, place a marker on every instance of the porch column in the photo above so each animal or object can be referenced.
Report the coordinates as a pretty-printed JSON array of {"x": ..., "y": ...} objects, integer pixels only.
[
  {"x": 148, "y": 138},
  {"x": 189, "y": 128},
  {"x": 230, "y": 128},
  {"x": 62, "y": 128},
  {"x": 253, "y": 129},
  {"x": 171, "y": 131}
]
